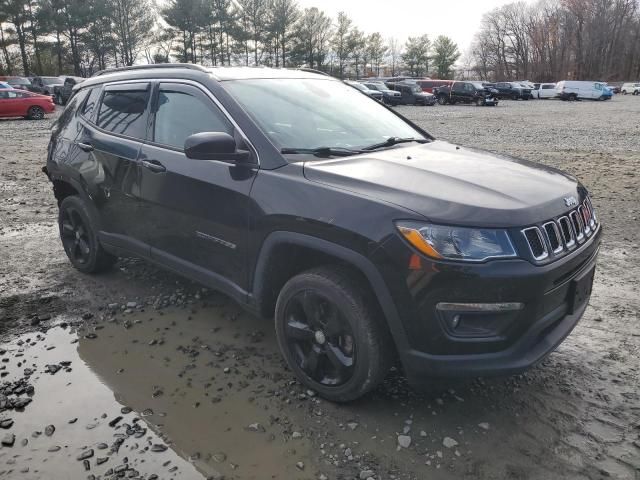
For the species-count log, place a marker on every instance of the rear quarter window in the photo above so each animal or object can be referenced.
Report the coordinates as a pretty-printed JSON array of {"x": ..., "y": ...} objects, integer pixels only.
[{"x": 90, "y": 106}]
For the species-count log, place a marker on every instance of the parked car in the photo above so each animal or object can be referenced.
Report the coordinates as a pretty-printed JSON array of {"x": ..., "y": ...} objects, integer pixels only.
[
  {"x": 530, "y": 86},
  {"x": 412, "y": 94},
  {"x": 64, "y": 93},
  {"x": 46, "y": 85},
  {"x": 390, "y": 97},
  {"x": 20, "y": 103},
  {"x": 5, "y": 85},
  {"x": 431, "y": 85},
  {"x": 632, "y": 88},
  {"x": 579, "y": 90},
  {"x": 546, "y": 90},
  {"x": 21, "y": 83},
  {"x": 375, "y": 94},
  {"x": 512, "y": 90},
  {"x": 614, "y": 86},
  {"x": 466, "y": 92},
  {"x": 364, "y": 237}
]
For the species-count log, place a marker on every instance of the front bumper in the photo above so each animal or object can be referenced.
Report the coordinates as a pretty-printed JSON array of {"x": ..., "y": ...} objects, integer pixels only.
[{"x": 551, "y": 309}]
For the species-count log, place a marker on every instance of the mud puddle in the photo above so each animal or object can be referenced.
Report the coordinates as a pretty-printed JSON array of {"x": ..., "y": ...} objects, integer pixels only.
[
  {"x": 205, "y": 379},
  {"x": 190, "y": 381},
  {"x": 69, "y": 414}
]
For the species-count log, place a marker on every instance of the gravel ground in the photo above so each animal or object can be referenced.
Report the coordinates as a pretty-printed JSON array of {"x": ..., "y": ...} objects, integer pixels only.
[{"x": 186, "y": 368}]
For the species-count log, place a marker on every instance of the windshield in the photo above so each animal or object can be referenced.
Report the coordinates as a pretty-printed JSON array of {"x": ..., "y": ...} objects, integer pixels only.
[
  {"x": 312, "y": 113},
  {"x": 478, "y": 85}
]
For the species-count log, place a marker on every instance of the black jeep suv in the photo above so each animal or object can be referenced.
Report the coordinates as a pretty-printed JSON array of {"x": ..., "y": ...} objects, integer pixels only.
[
  {"x": 467, "y": 92},
  {"x": 364, "y": 237}
]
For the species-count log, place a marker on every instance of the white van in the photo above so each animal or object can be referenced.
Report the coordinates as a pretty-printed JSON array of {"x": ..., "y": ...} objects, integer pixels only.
[
  {"x": 574, "y": 90},
  {"x": 632, "y": 88}
]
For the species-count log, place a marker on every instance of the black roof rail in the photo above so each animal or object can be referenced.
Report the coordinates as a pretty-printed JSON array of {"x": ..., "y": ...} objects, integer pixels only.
[
  {"x": 191, "y": 66},
  {"x": 313, "y": 70}
]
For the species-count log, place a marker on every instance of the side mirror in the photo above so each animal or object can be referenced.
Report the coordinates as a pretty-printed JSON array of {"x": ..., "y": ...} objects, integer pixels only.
[{"x": 214, "y": 146}]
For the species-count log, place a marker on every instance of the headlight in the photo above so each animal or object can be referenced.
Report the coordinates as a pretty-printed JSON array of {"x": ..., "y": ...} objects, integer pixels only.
[{"x": 457, "y": 243}]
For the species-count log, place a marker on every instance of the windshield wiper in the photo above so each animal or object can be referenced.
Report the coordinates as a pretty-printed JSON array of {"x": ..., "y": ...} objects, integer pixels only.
[
  {"x": 322, "y": 151},
  {"x": 391, "y": 141}
]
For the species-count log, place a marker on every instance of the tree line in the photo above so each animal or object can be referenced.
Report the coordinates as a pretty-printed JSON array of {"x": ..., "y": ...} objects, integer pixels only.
[
  {"x": 559, "y": 39},
  {"x": 80, "y": 37}
]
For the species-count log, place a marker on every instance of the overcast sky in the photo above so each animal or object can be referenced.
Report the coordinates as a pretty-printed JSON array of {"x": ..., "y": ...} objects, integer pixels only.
[{"x": 458, "y": 19}]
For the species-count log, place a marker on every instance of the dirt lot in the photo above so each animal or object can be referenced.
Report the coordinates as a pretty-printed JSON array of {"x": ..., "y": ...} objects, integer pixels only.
[{"x": 125, "y": 364}]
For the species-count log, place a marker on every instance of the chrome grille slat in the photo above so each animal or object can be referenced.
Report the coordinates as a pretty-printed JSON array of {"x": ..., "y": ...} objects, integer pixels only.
[{"x": 562, "y": 234}]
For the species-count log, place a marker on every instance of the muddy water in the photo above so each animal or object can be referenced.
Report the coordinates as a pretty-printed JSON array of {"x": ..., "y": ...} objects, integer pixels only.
[
  {"x": 60, "y": 399},
  {"x": 188, "y": 380},
  {"x": 195, "y": 380}
]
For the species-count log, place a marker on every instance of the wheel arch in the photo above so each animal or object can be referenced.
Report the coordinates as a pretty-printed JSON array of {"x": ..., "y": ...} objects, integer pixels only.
[{"x": 298, "y": 252}]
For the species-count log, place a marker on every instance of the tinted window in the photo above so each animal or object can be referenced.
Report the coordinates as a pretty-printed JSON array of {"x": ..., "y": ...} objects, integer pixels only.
[
  {"x": 123, "y": 110},
  {"x": 11, "y": 94},
  {"x": 182, "y": 111},
  {"x": 91, "y": 103},
  {"x": 547, "y": 87}
]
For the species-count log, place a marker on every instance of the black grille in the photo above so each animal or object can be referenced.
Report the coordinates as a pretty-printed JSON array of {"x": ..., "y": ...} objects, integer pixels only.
[
  {"x": 578, "y": 228},
  {"x": 567, "y": 232},
  {"x": 553, "y": 235},
  {"x": 561, "y": 235},
  {"x": 536, "y": 243}
]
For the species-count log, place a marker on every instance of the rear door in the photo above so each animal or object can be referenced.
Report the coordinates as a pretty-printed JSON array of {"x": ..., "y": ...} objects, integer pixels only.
[
  {"x": 195, "y": 211},
  {"x": 114, "y": 138}
]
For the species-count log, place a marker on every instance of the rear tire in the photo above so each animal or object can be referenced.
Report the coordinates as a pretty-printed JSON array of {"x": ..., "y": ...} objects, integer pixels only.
[
  {"x": 35, "y": 113},
  {"x": 79, "y": 237},
  {"x": 331, "y": 334}
]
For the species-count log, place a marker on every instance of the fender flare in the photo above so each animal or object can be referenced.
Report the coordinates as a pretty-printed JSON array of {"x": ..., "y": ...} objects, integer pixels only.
[
  {"x": 351, "y": 257},
  {"x": 79, "y": 187}
]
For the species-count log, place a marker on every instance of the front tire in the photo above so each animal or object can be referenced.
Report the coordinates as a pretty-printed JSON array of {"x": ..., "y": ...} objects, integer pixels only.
[
  {"x": 79, "y": 237},
  {"x": 442, "y": 99},
  {"x": 331, "y": 335},
  {"x": 35, "y": 113}
]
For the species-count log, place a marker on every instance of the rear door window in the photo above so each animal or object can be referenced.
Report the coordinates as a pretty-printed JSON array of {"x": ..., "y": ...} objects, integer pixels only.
[
  {"x": 123, "y": 109},
  {"x": 183, "y": 110}
]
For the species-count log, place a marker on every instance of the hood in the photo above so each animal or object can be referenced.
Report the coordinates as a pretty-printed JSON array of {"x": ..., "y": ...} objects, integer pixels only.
[{"x": 453, "y": 185}]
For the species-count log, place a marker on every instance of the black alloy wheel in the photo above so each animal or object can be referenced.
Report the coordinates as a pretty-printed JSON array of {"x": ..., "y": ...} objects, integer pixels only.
[
  {"x": 77, "y": 233},
  {"x": 75, "y": 236},
  {"x": 332, "y": 334},
  {"x": 319, "y": 338}
]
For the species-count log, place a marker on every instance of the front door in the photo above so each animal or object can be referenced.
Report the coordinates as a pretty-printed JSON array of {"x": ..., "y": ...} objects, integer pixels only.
[{"x": 196, "y": 211}]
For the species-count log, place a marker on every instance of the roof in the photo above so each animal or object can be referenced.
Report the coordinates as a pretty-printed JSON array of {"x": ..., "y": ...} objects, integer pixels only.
[
  {"x": 219, "y": 73},
  {"x": 246, "y": 73}
]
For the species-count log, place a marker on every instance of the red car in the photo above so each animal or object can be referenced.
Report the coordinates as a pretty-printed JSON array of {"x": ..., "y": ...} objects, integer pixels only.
[{"x": 20, "y": 103}]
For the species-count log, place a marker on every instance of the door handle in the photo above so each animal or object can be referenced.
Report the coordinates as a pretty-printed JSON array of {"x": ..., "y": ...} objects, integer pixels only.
[
  {"x": 87, "y": 147},
  {"x": 154, "y": 165}
]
